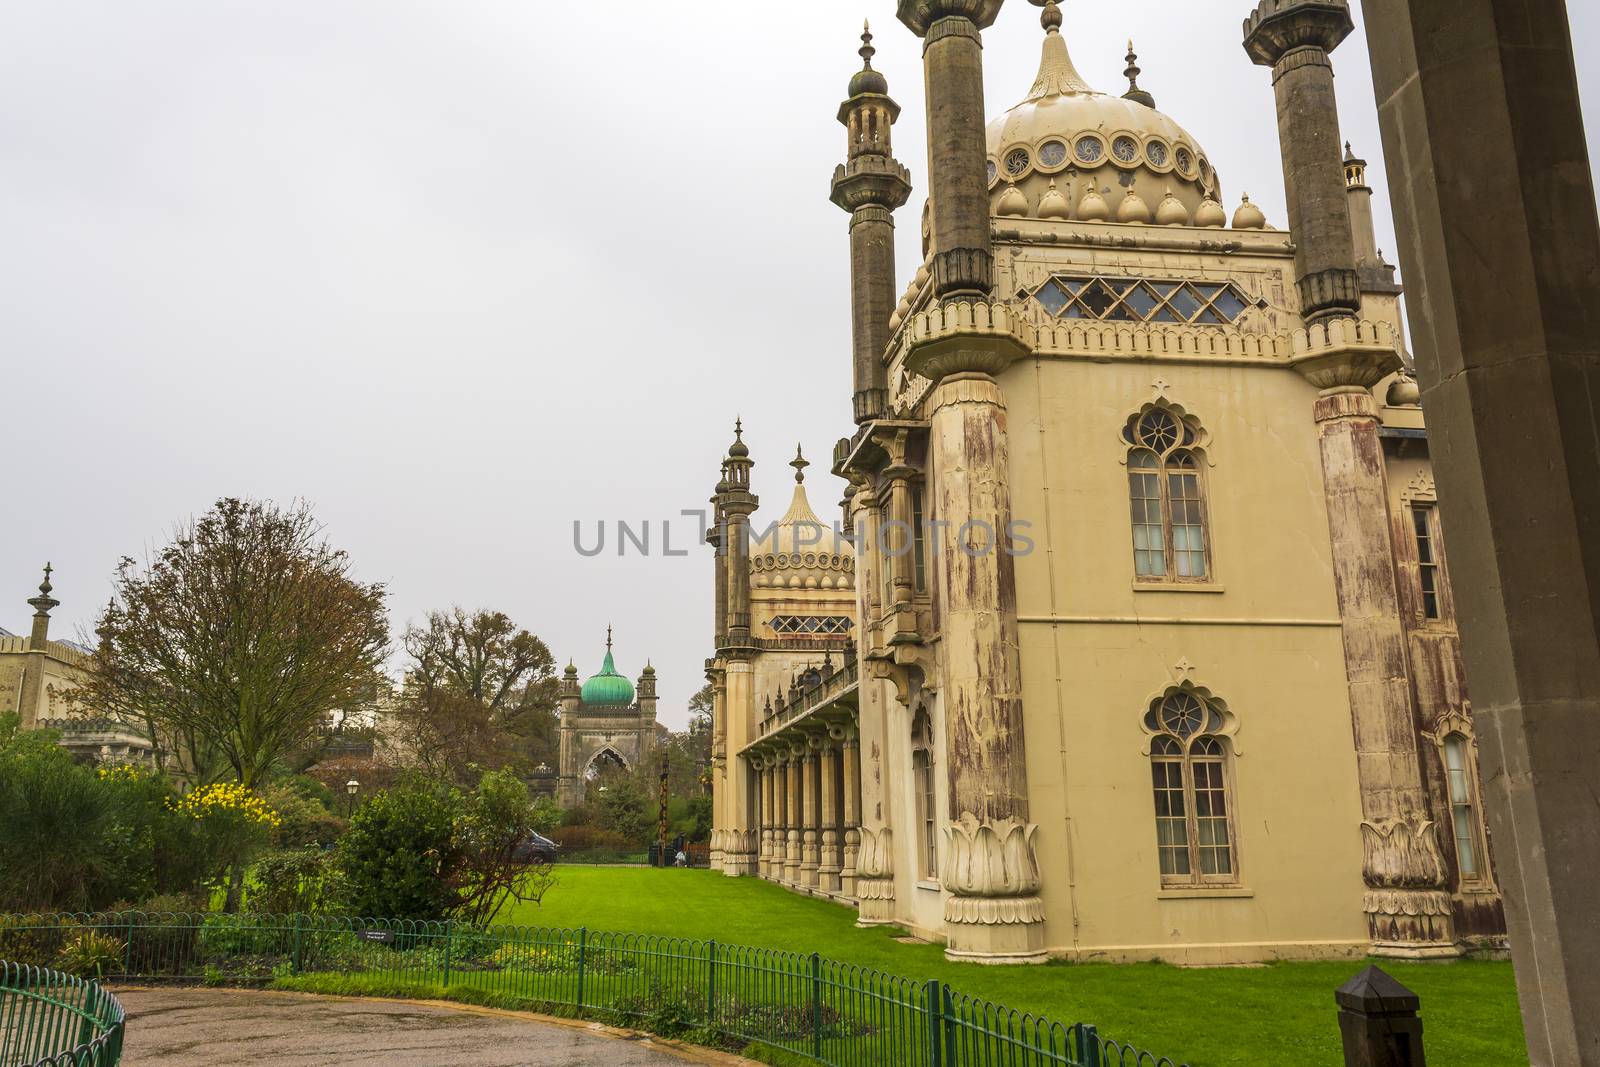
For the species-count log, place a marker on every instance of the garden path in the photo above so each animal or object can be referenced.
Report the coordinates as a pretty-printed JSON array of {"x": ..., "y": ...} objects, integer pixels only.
[{"x": 189, "y": 1027}]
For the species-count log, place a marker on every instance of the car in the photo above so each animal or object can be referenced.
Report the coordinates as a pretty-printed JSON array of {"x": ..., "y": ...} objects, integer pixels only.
[{"x": 536, "y": 848}]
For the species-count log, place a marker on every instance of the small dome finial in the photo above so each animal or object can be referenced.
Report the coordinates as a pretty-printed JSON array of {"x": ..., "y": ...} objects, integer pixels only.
[
  {"x": 1132, "y": 73},
  {"x": 45, "y": 586},
  {"x": 608, "y": 637},
  {"x": 1050, "y": 17},
  {"x": 738, "y": 450},
  {"x": 867, "y": 51},
  {"x": 799, "y": 463}
]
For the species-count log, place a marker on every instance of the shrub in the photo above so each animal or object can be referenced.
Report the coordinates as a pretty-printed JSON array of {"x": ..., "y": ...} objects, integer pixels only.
[
  {"x": 91, "y": 955},
  {"x": 305, "y": 880},
  {"x": 303, "y": 820},
  {"x": 56, "y": 825},
  {"x": 394, "y": 849}
]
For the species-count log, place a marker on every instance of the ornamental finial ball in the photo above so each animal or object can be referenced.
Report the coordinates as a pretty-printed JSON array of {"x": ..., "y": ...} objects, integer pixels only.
[{"x": 1050, "y": 18}]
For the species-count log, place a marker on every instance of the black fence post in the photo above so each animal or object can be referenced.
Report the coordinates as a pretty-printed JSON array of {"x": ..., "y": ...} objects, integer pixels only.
[
  {"x": 1378, "y": 1022},
  {"x": 711, "y": 982},
  {"x": 935, "y": 1023},
  {"x": 816, "y": 1005},
  {"x": 583, "y": 946}
]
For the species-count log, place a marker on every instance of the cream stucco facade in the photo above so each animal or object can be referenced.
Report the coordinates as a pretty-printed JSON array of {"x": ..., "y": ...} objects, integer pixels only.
[{"x": 1150, "y": 650}]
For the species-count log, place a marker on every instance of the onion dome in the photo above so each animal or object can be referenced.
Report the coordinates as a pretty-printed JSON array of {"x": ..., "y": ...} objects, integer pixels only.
[
  {"x": 1013, "y": 204},
  {"x": 1052, "y": 205},
  {"x": 1403, "y": 392},
  {"x": 1249, "y": 217},
  {"x": 868, "y": 80},
  {"x": 738, "y": 450},
  {"x": 800, "y": 551},
  {"x": 1211, "y": 215},
  {"x": 1133, "y": 208},
  {"x": 608, "y": 688},
  {"x": 1093, "y": 207},
  {"x": 1110, "y": 140},
  {"x": 1171, "y": 211}
]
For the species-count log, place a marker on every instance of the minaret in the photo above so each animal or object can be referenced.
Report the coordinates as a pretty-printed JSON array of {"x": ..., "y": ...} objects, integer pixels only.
[
  {"x": 38, "y": 643},
  {"x": 952, "y": 60},
  {"x": 870, "y": 184},
  {"x": 1359, "y": 193},
  {"x": 646, "y": 693},
  {"x": 738, "y": 503},
  {"x": 1294, "y": 38}
]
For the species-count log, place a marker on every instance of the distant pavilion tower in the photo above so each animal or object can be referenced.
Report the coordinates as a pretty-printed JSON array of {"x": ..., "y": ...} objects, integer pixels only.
[{"x": 604, "y": 722}]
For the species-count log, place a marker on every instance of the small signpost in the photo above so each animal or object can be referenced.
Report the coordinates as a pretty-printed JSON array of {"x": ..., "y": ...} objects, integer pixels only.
[{"x": 382, "y": 937}]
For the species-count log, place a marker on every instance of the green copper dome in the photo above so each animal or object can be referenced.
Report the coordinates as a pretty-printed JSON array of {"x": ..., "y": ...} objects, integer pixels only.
[{"x": 608, "y": 687}]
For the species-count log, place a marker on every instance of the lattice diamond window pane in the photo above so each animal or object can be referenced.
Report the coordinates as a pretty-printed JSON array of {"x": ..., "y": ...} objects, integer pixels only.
[
  {"x": 1229, "y": 304},
  {"x": 1185, "y": 303},
  {"x": 1207, "y": 290},
  {"x": 1052, "y": 297},
  {"x": 1166, "y": 314},
  {"x": 1098, "y": 299},
  {"x": 1142, "y": 301}
]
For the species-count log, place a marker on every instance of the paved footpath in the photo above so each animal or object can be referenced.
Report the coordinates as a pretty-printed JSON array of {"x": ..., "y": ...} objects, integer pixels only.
[{"x": 184, "y": 1027}]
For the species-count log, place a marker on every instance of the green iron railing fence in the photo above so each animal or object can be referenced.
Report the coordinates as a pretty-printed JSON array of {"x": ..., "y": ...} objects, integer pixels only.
[
  {"x": 829, "y": 1012},
  {"x": 50, "y": 1019}
]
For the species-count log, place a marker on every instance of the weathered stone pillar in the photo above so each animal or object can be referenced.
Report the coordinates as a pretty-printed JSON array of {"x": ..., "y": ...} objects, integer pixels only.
[
  {"x": 993, "y": 911},
  {"x": 869, "y": 561},
  {"x": 780, "y": 815},
  {"x": 738, "y": 843},
  {"x": 811, "y": 814},
  {"x": 870, "y": 185},
  {"x": 1294, "y": 37},
  {"x": 829, "y": 860},
  {"x": 1407, "y": 906},
  {"x": 764, "y": 790},
  {"x": 952, "y": 58},
  {"x": 791, "y": 856},
  {"x": 851, "y": 751},
  {"x": 897, "y": 537},
  {"x": 1483, "y": 136}
]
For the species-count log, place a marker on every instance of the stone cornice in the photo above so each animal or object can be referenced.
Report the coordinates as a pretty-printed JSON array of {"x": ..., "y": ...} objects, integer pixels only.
[
  {"x": 965, "y": 336},
  {"x": 1277, "y": 27},
  {"x": 868, "y": 181}
]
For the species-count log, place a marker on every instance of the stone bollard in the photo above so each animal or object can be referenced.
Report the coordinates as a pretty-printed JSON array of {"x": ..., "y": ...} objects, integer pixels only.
[{"x": 1378, "y": 1021}]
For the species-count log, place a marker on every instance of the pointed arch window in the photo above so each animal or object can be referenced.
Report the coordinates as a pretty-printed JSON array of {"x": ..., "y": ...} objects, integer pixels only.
[
  {"x": 923, "y": 783},
  {"x": 1190, "y": 776},
  {"x": 1167, "y": 499}
]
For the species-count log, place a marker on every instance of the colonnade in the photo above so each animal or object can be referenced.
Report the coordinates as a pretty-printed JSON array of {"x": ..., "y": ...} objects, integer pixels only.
[{"x": 808, "y": 800}]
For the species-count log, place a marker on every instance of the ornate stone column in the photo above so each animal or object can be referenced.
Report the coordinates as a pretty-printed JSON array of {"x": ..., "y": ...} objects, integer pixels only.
[
  {"x": 869, "y": 561},
  {"x": 738, "y": 843},
  {"x": 764, "y": 865},
  {"x": 1407, "y": 905},
  {"x": 952, "y": 58},
  {"x": 811, "y": 813},
  {"x": 1294, "y": 37},
  {"x": 791, "y": 858},
  {"x": 780, "y": 815},
  {"x": 851, "y": 752},
  {"x": 829, "y": 860},
  {"x": 897, "y": 536}
]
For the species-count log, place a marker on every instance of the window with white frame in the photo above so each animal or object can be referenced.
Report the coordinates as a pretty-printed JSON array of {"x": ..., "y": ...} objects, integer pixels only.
[
  {"x": 927, "y": 807},
  {"x": 1166, "y": 499},
  {"x": 1193, "y": 803}
]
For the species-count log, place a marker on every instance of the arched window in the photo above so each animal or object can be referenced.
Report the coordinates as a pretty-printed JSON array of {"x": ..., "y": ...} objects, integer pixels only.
[
  {"x": 1462, "y": 782},
  {"x": 1167, "y": 499},
  {"x": 922, "y": 782},
  {"x": 1189, "y": 773}
]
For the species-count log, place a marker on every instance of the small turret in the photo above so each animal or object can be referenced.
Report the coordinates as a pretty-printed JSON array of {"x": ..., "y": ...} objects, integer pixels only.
[
  {"x": 42, "y": 605},
  {"x": 1134, "y": 93}
]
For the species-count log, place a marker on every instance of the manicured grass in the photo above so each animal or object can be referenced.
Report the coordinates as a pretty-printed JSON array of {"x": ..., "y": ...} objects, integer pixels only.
[{"x": 1210, "y": 1017}]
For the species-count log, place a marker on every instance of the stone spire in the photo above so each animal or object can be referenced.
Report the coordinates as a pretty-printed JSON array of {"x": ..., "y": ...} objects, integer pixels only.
[
  {"x": 1057, "y": 74},
  {"x": 1135, "y": 93},
  {"x": 737, "y": 504},
  {"x": 871, "y": 184},
  {"x": 799, "y": 463},
  {"x": 42, "y": 605}
]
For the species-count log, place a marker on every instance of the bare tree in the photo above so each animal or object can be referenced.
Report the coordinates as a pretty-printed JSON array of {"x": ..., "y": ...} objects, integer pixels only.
[{"x": 240, "y": 637}]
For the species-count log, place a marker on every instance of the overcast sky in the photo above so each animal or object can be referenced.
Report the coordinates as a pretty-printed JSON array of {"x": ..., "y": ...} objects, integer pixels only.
[{"x": 461, "y": 273}]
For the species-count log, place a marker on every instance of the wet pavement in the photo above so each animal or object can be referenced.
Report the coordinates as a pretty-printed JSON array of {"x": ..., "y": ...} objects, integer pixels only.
[{"x": 185, "y": 1027}]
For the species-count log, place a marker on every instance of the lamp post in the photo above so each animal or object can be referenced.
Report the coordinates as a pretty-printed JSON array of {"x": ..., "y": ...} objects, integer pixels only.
[{"x": 351, "y": 788}]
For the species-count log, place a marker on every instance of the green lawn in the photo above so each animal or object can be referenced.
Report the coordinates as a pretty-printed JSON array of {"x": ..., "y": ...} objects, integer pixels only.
[{"x": 1280, "y": 1014}]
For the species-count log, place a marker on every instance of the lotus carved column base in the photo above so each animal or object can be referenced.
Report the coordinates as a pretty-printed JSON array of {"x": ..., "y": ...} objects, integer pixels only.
[
  {"x": 875, "y": 877},
  {"x": 764, "y": 860},
  {"x": 1410, "y": 924},
  {"x": 993, "y": 913},
  {"x": 808, "y": 859},
  {"x": 739, "y": 853},
  {"x": 716, "y": 849}
]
